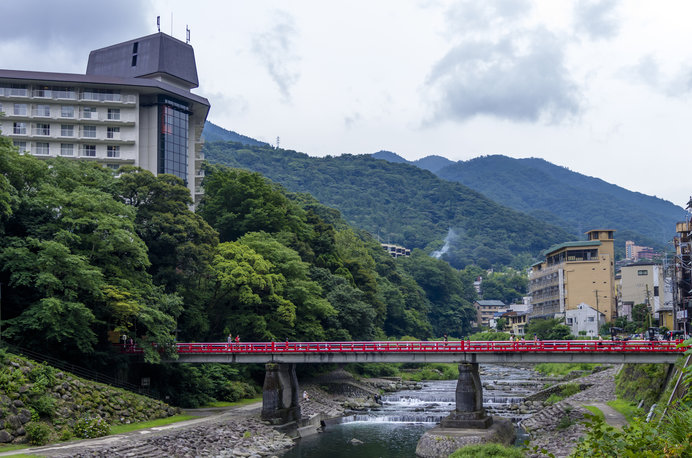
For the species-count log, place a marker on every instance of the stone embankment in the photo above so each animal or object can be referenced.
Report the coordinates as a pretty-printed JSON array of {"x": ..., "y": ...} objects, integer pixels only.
[
  {"x": 557, "y": 428},
  {"x": 60, "y": 399},
  {"x": 237, "y": 433}
]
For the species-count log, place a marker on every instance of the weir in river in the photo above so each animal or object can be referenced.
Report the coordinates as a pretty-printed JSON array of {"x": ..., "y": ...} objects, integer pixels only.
[{"x": 394, "y": 429}]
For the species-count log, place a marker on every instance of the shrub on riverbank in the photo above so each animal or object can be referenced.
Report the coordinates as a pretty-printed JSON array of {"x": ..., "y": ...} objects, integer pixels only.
[
  {"x": 487, "y": 451},
  {"x": 671, "y": 438},
  {"x": 562, "y": 369}
]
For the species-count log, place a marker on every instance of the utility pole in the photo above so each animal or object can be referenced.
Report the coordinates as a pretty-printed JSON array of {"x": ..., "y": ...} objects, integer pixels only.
[{"x": 598, "y": 315}]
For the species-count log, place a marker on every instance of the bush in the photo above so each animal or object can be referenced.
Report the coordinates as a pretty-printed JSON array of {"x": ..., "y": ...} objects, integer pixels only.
[
  {"x": 487, "y": 451},
  {"x": 44, "y": 406},
  {"x": 37, "y": 433},
  {"x": 90, "y": 427}
]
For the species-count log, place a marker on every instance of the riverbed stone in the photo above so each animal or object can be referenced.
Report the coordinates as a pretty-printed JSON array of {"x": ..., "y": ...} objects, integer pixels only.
[{"x": 441, "y": 442}]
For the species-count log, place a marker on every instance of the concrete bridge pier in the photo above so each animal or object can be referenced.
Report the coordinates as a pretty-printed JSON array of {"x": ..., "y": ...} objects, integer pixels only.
[
  {"x": 469, "y": 412},
  {"x": 280, "y": 400}
]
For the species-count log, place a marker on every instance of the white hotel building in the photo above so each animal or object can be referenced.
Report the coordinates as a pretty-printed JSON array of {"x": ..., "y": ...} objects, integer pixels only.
[{"x": 133, "y": 106}]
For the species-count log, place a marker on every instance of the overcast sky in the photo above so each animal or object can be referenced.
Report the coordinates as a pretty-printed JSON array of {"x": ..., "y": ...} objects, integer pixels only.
[{"x": 601, "y": 87}]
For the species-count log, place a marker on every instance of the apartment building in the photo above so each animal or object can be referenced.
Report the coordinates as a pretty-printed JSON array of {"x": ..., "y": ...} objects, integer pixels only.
[
  {"x": 645, "y": 283},
  {"x": 486, "y": 310},
  {"x": 575, "y": 273},
  {"x": 133, "y": 106},
  {"x": 396, "y": 250}
]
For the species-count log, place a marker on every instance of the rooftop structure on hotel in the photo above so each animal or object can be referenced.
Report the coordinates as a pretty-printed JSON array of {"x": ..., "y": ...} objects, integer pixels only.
[{"x": 133, "y": 106}]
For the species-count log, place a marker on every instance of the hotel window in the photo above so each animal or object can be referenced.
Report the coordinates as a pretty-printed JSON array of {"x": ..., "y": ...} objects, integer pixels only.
[
  {"x": 113, "y": 151},
  {"x": 113, "y": 132},
  {"x": 20, "y": 109},
  {"x": 89, "y": 131},
  {"x": 101, "y": 95},
  {"x": 642, "y": 273},
  {"x": 67, "y": 111},
  {"x": 42, "y": 149},
  {"x": 89, "y": 150},
  {"x": 21, "y": 146},
  {"x": 89, "y": 113},
  {"x": 113, "y": 167},
  {"x": 42, "y": 129},
  {"x": 66, "y": 130},
  {"x": 18, "y": 90},
  {"x": 173, "y": 137},
  {"x": 19, "y": 128},
  {"x": 64, "y": 93},
  {"x": 42, "y": 111},
  {"x": 66, "y": 149},
  {"x": 114, "y": 113},
  {"x": 42, "y": 92}
]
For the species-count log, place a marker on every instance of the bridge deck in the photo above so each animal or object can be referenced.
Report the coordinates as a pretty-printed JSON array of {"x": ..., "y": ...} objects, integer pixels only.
[{"x": 639, "y": 351}]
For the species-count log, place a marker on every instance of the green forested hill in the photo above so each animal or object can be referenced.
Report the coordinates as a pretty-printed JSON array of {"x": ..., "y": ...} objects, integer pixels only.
[
  {"x": 574, "y": 201},
  {"x": 402, "y": 204}
]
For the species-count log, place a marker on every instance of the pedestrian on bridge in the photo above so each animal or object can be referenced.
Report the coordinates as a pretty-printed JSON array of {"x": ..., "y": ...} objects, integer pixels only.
[{"x": 229, "y": 341}]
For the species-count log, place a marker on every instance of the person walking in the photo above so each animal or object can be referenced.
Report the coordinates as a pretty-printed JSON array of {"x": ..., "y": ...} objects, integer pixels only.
[{"x": 229, "y": 341}]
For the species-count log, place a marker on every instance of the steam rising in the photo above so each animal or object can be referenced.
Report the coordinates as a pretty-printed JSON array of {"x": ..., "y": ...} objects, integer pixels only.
[{"x": 451, "y": 237}]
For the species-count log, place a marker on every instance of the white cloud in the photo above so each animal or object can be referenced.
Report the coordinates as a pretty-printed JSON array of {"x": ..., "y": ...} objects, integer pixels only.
[{"x": 274, "y": 48}]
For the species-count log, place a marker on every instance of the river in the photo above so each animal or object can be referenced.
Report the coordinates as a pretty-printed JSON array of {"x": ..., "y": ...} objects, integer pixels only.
[{"x": 393, "y": 430}]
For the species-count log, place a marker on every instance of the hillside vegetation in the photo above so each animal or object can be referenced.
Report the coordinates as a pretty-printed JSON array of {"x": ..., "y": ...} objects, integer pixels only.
[
  {"x": 571, "y": 200},
  {"x": 403, "y": 204}
]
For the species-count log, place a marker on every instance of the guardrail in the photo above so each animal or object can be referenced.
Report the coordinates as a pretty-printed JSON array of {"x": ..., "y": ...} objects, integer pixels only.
[{"x": 463, "y": 346}]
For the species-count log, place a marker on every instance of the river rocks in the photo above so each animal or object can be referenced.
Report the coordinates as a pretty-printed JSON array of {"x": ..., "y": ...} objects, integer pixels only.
[
  {"x": 225, "y": 437},
  {"x": 441, "y": 442}
]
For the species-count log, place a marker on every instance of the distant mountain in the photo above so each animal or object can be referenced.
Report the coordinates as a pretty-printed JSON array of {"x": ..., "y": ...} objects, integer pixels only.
[
  {"x": 574, "y": 201},
  {"x": 403, "y": 204},
  {"x": 214, "y": 133},
  {"x": 389, "y": 157},
  {"x": 432, "y": 163}
]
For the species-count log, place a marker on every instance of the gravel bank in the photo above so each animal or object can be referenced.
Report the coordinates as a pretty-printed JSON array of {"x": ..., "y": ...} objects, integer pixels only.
[{"x": 557, "y": 428}]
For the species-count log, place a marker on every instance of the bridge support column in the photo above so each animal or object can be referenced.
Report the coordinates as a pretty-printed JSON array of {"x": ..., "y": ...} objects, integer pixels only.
[
  {"x": 469, "y": 412},
  {"x": 280, "y": 394}
]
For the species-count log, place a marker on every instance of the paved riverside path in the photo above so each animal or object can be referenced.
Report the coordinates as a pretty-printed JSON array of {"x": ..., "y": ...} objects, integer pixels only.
[
  {"x": 85, "y": 446},
  {"x": 611, "y": 416}
]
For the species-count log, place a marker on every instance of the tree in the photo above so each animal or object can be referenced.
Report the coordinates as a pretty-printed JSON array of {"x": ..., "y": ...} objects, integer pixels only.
[
  {"x": 548, "y": 329},
  {"x": 248, "y": 297},
  {"x": 311, "y": 309}
]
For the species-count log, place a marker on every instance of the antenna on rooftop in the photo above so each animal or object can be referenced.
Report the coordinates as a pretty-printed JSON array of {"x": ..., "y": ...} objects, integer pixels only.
[
  {"x": 158, "y": 23},
  {"x": 187, "y": 34}
]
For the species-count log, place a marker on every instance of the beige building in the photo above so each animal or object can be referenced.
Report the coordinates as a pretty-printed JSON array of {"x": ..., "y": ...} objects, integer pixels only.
[
  {"x": 133, "y": 106},
  {"x": 516, "y": 322},
  {"x": 486, "y": 310},
  {"x": 574, "y": 273},
  {"x": 644, "y": 283}
]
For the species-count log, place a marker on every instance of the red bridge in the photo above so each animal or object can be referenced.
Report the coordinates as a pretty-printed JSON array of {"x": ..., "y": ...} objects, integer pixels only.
[
  {"x": 280, "y": 394},
  {"x": 590, "y": 351}
]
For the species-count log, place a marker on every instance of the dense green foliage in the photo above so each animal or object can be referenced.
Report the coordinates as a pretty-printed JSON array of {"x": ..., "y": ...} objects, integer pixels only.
[
  {"x": 402, "y": 204},
  {"x": 87, "y": 256},
  {"x": 640, "y": 382},
  {"x": 548, "y": 329},
  {"x": 672, "y": 437},
  {"x": 487, "y": 451}
]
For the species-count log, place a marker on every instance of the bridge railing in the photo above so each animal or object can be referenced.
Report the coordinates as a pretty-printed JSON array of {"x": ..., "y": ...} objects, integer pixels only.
[{"x": 571, "y": 346}]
